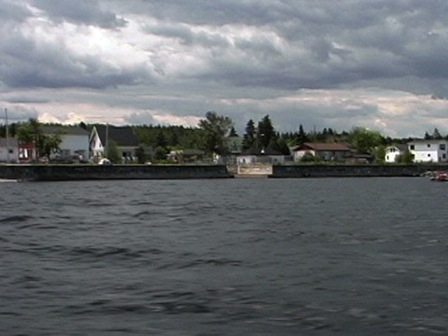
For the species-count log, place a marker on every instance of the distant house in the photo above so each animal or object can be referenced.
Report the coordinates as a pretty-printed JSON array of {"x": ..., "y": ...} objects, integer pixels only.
[
  {"x": 75, "y": 141},
  {"x": 332, "y": 151},
  {"x": 123, "y": 137},
  {"x": 429, "y": 150},
  {"x": 186, "y": 155},
  {"x": 393, "y": 152},
  {"x": 9, "y": 150},
  {"x": 253, "y": 156}
]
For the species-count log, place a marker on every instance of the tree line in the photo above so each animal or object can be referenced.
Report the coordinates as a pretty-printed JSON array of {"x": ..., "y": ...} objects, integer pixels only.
[{"x": 214, "y": 134}]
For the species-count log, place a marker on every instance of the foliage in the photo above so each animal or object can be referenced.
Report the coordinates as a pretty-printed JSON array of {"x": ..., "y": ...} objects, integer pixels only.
[
  {"x": 160, "y": 154},
  {"x": 380, "y": 154},
  {"x": 309, "y": 157},
  {"x": 249, "y": 137},
  {"x": 215, "y": 128},
  {"x": 30, "y": 132},
  {"x": 49, "y": 144},
  {"x": 265, "y": 132},
  {"x": 141, "y": 155},
  {"x": 407, "y": 158},
  {"x": 112, "y": 152},
  {"x": 364, "y": 140},
  {"x": 301, "y": 136}
]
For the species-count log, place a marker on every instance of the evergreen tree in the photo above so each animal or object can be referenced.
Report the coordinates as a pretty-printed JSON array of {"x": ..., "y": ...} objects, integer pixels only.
[
  {"x": 249, "y": 137},
  {"x": 436, "y": 134},
  {"x": 265, "y": 132},
  {"x": 301, "y": 136}
]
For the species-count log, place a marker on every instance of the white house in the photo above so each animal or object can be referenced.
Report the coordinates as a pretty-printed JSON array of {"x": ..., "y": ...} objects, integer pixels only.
[
  {"x": 75, "y": 141},
  {"x": 122, "y": 136},
  {"x": 429, "y": 150},
  {"x": 393, "y": 152},
  {"x": 261, "y": 156},
  {"x": 9, "y": 150}
]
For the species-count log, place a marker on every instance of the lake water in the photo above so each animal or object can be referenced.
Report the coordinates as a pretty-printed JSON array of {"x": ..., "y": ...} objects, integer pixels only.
[{"x": 364, "y": 256}]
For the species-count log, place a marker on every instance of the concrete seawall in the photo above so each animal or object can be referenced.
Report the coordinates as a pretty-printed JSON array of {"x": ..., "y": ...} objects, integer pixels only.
[
  {"x": 115, "y": 172},
  {"x": 302, "y": 171}
]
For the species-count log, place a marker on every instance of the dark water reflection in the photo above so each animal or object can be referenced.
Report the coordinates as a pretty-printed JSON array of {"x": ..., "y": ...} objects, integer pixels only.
[{"x": 224, "y": 257}]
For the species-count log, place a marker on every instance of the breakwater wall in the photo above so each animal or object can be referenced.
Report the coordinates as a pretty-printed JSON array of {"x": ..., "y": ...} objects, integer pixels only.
[
  {"x": 113, "y": 172},
  {"x": 299, "y": 171}
]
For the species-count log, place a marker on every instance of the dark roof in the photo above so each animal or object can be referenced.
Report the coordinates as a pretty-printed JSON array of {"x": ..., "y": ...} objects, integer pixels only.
[
  {"x": 123, "y": 136},
  {"x": 324, "y": 146},
  {"x": 69, "y": 130}
]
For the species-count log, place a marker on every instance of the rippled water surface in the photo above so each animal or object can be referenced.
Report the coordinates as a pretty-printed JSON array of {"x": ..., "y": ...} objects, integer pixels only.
[{"x": 224, "y": 257}]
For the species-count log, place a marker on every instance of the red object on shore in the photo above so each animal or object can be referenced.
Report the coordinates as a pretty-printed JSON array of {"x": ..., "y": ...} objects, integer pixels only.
[{"x": 441, "y": 176}]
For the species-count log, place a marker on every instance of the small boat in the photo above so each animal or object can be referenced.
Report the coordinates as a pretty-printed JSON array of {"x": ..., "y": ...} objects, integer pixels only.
[
  {"x": 7, "y": 180},
  {"x": 440, "y": 176}
]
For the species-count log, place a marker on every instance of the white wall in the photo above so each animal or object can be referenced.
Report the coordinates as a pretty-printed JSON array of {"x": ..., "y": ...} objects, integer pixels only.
[
  {"x": 13, "y": 157},
  {"x": 429, "y": 151}
]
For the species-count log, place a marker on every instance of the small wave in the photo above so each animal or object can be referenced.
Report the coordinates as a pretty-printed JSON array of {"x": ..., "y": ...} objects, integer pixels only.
[
  {"x": 118, "y": 253},
  {"x": 15, "y": 219}
]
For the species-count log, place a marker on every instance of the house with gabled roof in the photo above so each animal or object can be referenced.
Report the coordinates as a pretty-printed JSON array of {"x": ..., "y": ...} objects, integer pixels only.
[
  {"x": 393, "y": 152},
  {"x": 326, "y": 151},
  {"x": 122, "y": 136},
  {"x": 74, "y": 144}
]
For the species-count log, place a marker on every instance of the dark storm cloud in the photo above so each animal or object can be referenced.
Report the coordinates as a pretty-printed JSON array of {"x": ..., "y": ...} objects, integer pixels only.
[
  {"x": 87, "y": 12},
  {"x": 208, "y": 54}
]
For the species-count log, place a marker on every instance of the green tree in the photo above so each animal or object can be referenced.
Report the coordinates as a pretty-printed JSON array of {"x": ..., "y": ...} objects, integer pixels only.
[
  {"x": 301, "y": 137},
  {"x": 49, "y": 144},
  {"x": 233, "y": 132},
  {"x": 160, "y": 153},
  {"x": 380, "y": 154},
  {"x": 113, "y": 153},
  {"x": 265, "y": 132},
  {"x": 407, "y": 157},
  {"x": 140, "y": 154},
  {"x": 29, "y": 132},
  {"x": 249, "y": 136},
  {"x": 436, "y": 134},
  {"x": 309, "y": 157},
  {"x": 364, "y": 140},
  {"x": 215, "y": 128}
]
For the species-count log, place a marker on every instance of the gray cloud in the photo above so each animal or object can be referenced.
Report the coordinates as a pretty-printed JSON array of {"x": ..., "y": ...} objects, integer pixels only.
[
  {"x": 233, "y": 56},
  {"x": 88, "y": 12}
]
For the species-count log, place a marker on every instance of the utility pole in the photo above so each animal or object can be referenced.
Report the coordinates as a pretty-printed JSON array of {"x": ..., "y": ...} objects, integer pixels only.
[
  {"x": 7, "y": 135},
  {"x": 107, "y": 141}
]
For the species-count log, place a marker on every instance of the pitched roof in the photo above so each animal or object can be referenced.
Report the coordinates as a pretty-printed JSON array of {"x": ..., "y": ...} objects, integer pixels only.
[
  {"x": 323, "y": 146},
  {"x": 123, "y": 136},
  {"x": 63, "y": 129}
]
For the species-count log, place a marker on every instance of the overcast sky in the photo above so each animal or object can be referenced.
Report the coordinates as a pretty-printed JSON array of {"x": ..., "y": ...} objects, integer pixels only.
[{"x": 380, "y": 64}]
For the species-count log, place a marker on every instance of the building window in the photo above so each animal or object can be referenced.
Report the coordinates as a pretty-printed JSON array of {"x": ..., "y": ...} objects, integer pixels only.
[
  {"x": 428, "y": 145},
  {"x": 442, "y": 147},
  {"x": 412, "y": 147},
  {"x": 429, "y": 155}
]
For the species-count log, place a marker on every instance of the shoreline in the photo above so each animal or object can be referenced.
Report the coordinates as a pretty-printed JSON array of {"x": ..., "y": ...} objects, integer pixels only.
[{"x": 83, "y": 172}]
